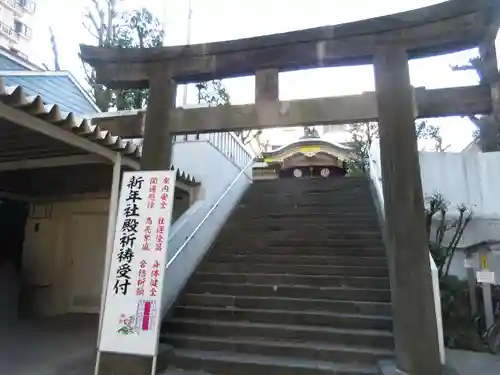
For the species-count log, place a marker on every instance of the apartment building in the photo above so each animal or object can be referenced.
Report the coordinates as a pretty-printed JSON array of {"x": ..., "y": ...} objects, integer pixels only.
[{"x": 15, "y": 20}]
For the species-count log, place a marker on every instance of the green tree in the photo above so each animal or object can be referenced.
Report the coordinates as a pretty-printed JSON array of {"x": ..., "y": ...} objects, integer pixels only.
[
  {"x": 488, "y": 127},
  {"x": 132, "y": 29},
  {"x": 214, "y": 94},
  {"x": 363, "y": 134},
  {"x": 136, "y": 29},
  {"x": 99, "y": 20}
]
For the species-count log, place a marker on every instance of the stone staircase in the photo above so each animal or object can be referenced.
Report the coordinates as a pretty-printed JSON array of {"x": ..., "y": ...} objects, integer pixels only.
[{"x": 297, "y": 283}]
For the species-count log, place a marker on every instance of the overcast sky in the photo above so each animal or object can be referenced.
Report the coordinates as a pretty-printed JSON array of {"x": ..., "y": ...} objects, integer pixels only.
[{"x": 217, "y": 20}]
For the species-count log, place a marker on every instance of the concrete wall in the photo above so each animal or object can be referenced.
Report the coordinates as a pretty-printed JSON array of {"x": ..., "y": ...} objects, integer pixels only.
[
  {"x": 48, "y": 252},
  {"x": 463, "y": 178},
  {"x": 65, "y": 240},
  {"x": 227, "y": 168}
]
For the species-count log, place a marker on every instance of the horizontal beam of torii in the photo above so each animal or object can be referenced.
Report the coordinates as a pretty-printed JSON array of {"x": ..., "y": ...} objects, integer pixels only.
[
  {"x": 334, "y": 110},
  {"x": 442, "y": 28}
]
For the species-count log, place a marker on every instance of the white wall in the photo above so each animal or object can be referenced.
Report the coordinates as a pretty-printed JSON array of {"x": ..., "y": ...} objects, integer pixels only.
[
  {"x": 223, "y": 165},
  {"x": 9, "y": 12},
  {"x": 472, "y": 179},
  {"x": 464, "y": 178}
]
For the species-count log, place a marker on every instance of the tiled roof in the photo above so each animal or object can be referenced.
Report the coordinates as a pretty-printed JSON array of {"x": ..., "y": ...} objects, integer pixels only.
[{"x": 35, "y": 144}]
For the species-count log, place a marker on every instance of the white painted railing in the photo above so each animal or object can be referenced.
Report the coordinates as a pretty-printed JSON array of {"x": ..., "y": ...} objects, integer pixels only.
[
  {"x": 227, "y": 143},
  {"x": 223, "y": 165},
  {"x": 376, "y": 177}
]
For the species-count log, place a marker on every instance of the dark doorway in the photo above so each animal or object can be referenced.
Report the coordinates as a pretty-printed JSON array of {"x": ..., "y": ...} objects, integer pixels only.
[{"x": 13, "y": 216}]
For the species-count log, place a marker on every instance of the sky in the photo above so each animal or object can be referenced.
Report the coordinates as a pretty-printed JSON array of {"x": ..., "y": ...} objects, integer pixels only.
[{"x": 217, "y": 20}]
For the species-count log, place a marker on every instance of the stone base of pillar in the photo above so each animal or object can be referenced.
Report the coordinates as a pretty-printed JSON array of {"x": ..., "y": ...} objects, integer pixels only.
[
  {"x": 123, "y": 364},
  {"x": 387, "y": 367}
]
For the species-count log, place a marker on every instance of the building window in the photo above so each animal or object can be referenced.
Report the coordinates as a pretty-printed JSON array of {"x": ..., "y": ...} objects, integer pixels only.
[
  {"x": 22, "y": 29},
  {"x": 29, "y": 5}
]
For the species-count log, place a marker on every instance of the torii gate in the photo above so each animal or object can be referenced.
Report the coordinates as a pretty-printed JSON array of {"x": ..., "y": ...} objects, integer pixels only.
[{"x": 387, "y": 43}]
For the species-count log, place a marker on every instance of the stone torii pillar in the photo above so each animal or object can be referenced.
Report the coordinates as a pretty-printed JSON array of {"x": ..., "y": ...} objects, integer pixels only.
[
  {"x": 415, "y": 329},
  {"x": 156, "y": 155},
  {"x": 490, "y": 129},
  {"x": 157, "y": 142}
]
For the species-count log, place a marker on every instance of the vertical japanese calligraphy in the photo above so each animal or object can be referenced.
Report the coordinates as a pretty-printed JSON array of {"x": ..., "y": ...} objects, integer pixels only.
[
  {"x": 160, "y": 234},
  {"x": 128, "y": 235},
  {"x": 164, "y": 192},
  {"x": 133, "y": 299},
  {"x": 153, "y": 181},
  {"x": 141, "y": 281},
  {"x": 155, "y": 275}
]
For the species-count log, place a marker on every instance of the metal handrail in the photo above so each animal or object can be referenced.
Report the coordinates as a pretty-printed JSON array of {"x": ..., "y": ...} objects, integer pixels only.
[{"x": 209, "y": 213}]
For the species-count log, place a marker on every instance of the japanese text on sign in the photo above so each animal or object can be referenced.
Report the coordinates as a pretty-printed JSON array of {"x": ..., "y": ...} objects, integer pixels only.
[
  {"x": 133, "y": 299},
  {"x": 128, "y": 235}
]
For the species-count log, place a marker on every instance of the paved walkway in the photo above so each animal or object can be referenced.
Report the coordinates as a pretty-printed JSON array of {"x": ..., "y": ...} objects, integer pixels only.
[
  {"x": 471, "y": 363},
  {"x": 66, "y": 346},
  {"x": 52, "y": 346}
]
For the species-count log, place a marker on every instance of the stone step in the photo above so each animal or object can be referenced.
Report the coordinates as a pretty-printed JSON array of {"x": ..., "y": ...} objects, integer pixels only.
[
  {"x": 298, "y": 234},
  {"x": 309, "y": 194},
  {"x": 313, "y": 318},
  {"x": 227, "y": 363},
  {"x": 340, "y": 305},
  {"x": 325, "y": 197},
  {"x": 294, "y": 269},
  {"x": 177, "y": 371},
  {"x": 222, "y": 329},
  {"x": 330, "y": 260},
  {"x": 297, "y": 283},
  {"x": 308, "y": 350},
  {"x": 330, "y": 198},
  {"x": 311, "y": 183},
  {"x": 342, "y": 294},
  {"x": 343, "y": 208},
  {"x": 313, "y": 187},
  {"x": 319, "y": 229},
  {"x": 264, "y": 224},
  {"x": 303, "y": 251},
  {"x": 318, "y": 281},
  {"x": 314, "y": 182},
  {"x": 326, "y": 215},
  {"x": 310, "y": 242}
]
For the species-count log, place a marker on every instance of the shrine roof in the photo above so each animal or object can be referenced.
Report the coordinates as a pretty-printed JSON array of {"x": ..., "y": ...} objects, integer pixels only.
[{"x": 306, "y": 142}]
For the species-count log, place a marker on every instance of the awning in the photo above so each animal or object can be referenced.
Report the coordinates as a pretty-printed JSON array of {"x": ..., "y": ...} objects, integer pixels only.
[{"x": 47, "y": 152}]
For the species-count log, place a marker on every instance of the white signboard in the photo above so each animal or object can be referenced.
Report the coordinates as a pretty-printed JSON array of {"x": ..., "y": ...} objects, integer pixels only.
[
  {"x": 486, "y": 277},
  {"x": 133, "y": 299}
]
